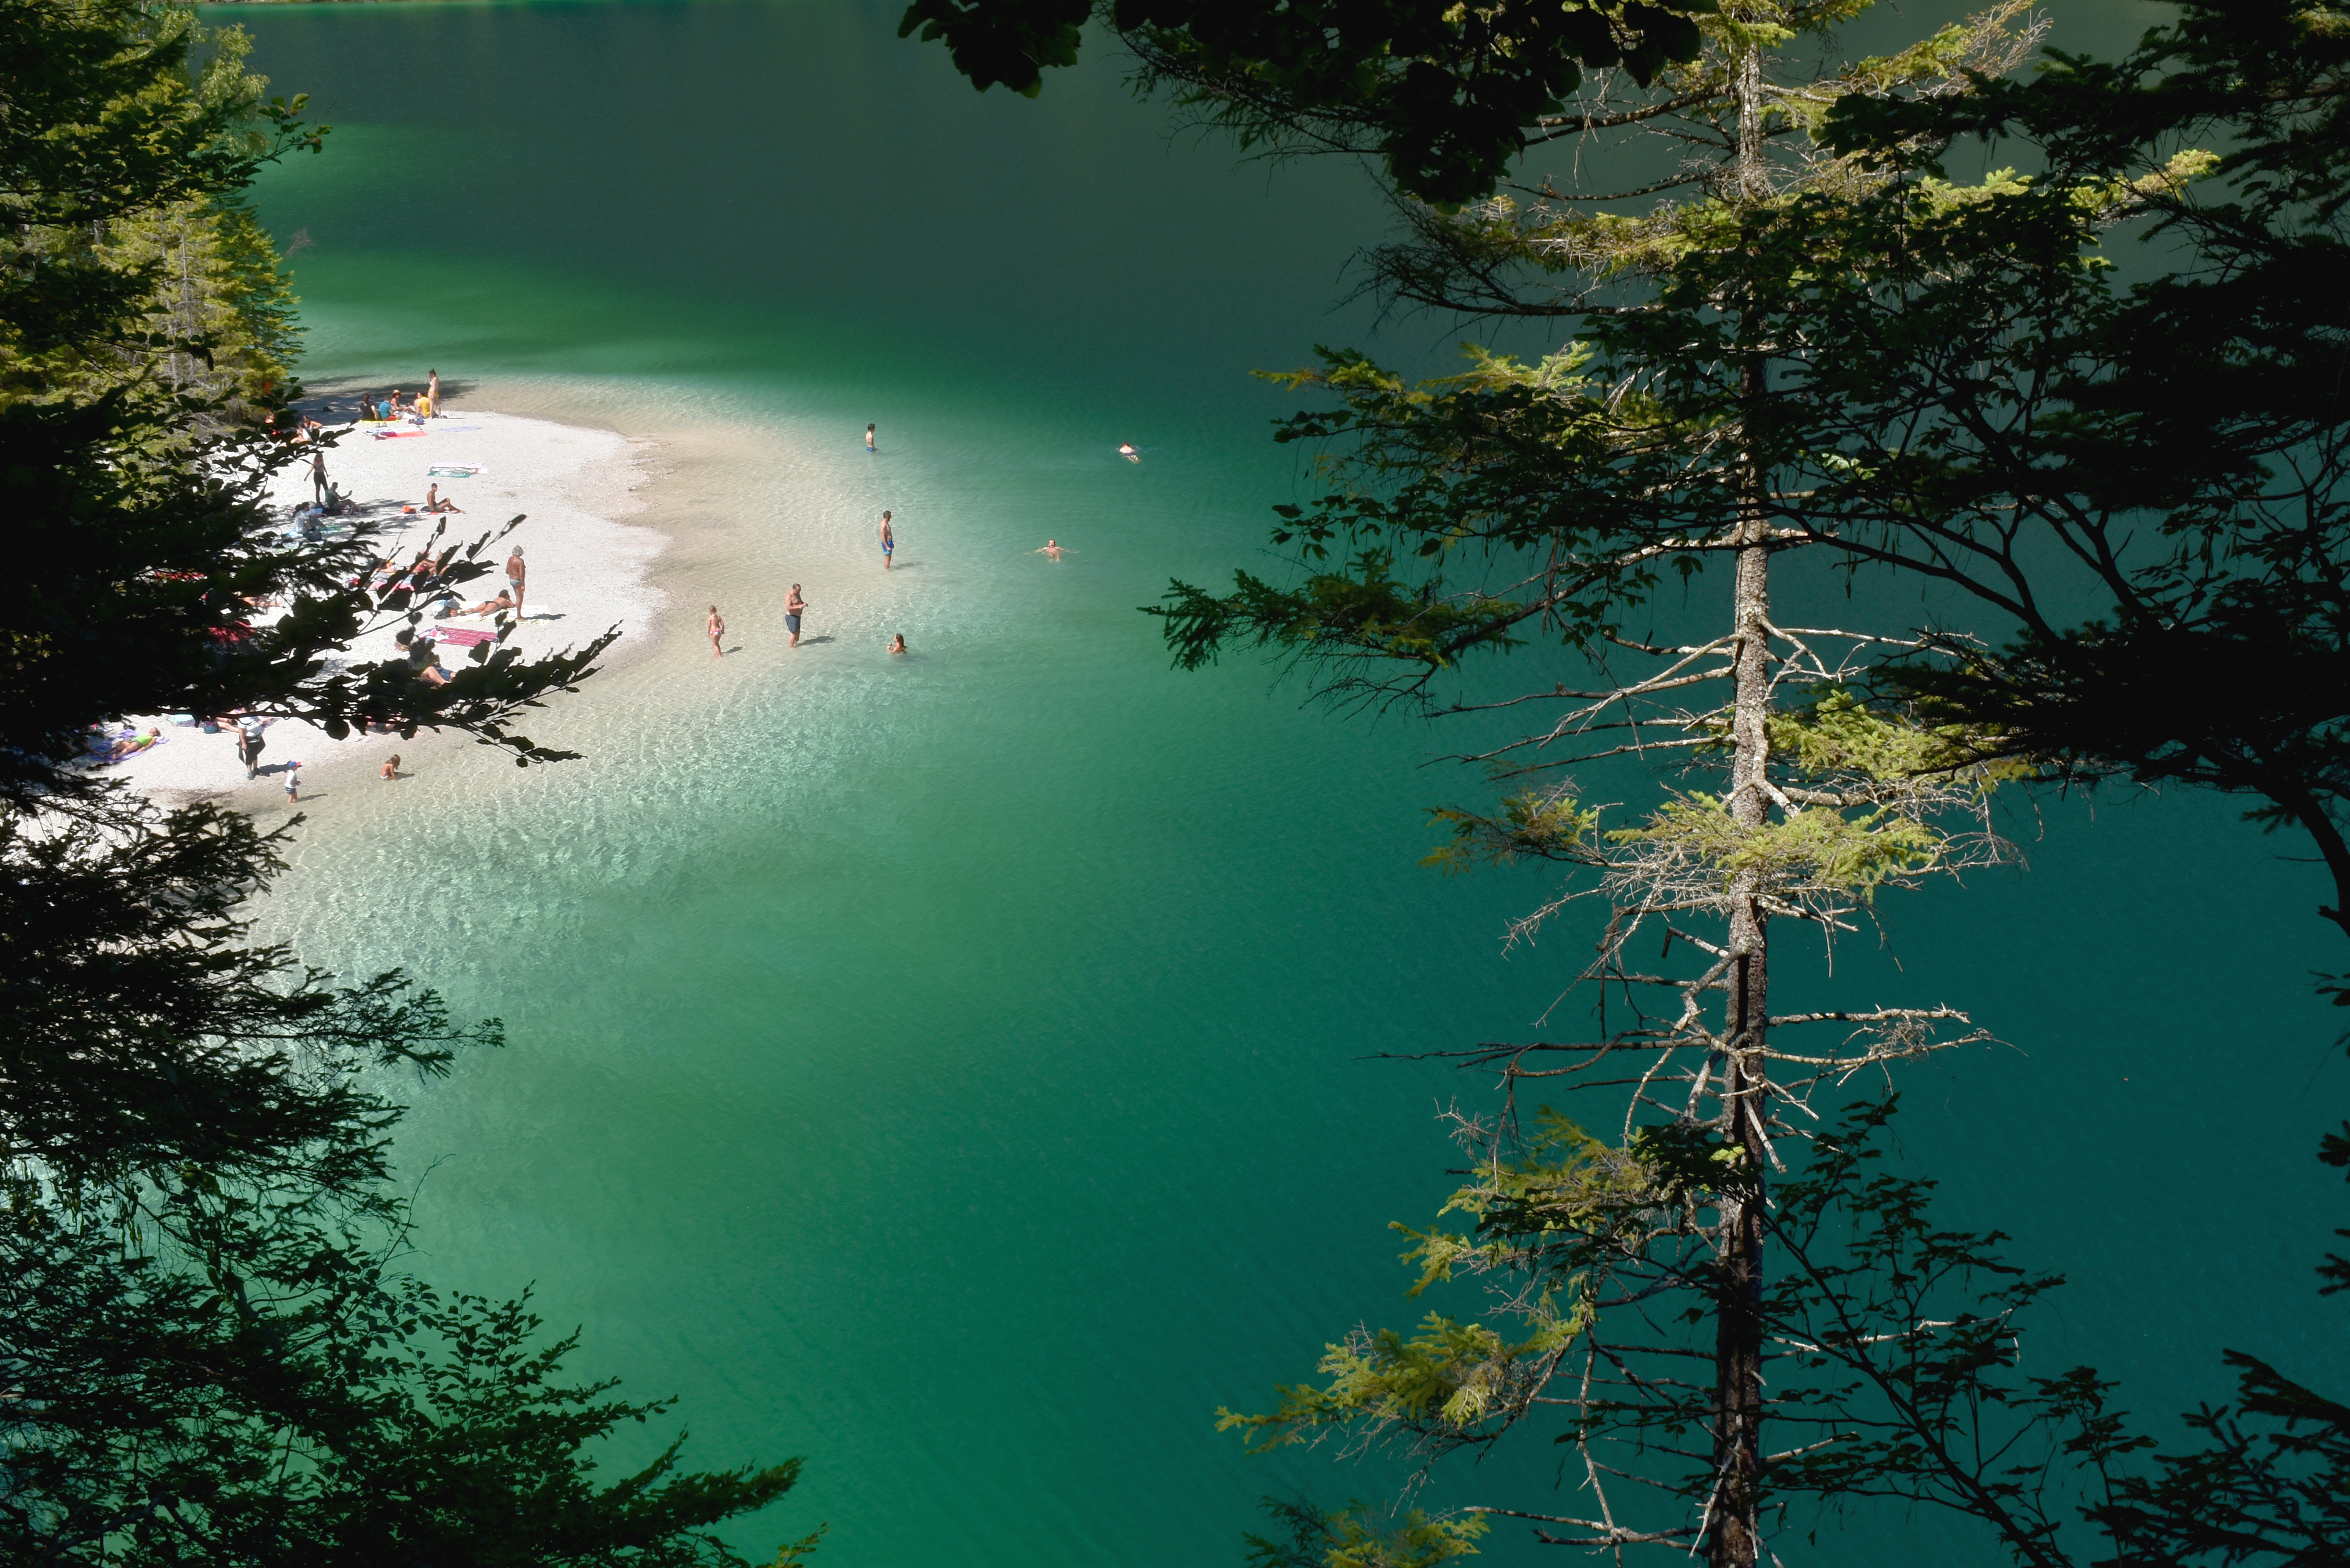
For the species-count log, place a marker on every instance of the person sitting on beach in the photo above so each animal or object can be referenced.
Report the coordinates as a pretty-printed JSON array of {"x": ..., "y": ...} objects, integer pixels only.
[
  {"x": 504, "y": 601},
  {"x": 430, "y": 668},
  {"x": 435, "y": 502},
  {"x": 898, "y": 643}
]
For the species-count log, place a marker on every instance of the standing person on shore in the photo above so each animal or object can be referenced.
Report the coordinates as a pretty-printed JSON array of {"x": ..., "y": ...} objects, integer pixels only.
[
  {"x": 292, "y": 783},
  {"x": 318, "y": 474},
  {"x": 888, "y": 542},
  {"x": 795, "y": 606},
  {"x": 514, "y": 573},
  {"x": 249, "y": 743},
  {"x": 868, "y": 439},
  {"x": 717, "y": 628},
  {"x": 432, "y": 389}
]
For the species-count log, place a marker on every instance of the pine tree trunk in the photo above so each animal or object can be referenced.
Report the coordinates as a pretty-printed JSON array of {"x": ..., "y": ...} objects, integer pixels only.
[
  {"x": 1735, "y": 1539},
  {"x": 1738, "y": 1326}
]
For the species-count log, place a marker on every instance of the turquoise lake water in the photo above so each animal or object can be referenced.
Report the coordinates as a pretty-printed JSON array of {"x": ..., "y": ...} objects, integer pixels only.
[{"x": 953, "y": 1071}]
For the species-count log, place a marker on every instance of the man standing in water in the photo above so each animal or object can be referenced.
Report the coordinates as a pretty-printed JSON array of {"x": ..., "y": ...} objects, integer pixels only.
[
  {"x": 514, "y": 573},
  {"x": 795, "y": 606},
  {"x": 868, "y": 437},
  {"x": 888, "y": 541}
]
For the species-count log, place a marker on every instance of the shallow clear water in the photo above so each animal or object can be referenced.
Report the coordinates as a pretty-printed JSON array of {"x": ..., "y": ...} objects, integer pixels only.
[{"x": 952, "y": 1069}]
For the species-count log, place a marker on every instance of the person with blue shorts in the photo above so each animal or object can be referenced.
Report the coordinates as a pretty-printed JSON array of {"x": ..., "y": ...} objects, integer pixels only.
[
  {"x": 888, "y": 542},
  {"x": 795, "y": 606}
]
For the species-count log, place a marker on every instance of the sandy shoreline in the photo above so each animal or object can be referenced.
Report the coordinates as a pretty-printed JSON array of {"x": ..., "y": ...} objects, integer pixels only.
[{"x": 588, "y": 571}]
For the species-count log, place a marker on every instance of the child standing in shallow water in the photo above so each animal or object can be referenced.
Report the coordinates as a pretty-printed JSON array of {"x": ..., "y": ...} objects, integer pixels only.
[
  {"x": 717, "y": 629},
  {"x": 888, "y": 542}
]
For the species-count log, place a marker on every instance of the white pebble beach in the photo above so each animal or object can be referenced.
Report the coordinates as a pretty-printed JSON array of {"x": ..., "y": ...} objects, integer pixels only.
[{"x": 588, "y": 571}]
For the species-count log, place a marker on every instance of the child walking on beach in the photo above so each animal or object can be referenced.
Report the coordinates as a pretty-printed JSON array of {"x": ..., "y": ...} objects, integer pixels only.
[
  {"x": 293, "y": 782},
  {"x": 717, "y": 631}
]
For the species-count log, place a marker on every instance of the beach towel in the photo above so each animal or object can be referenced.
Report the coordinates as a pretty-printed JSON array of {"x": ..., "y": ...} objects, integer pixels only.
[
  {"x": 457, "y": 430},
  {"x": 396, "y": 435},
  {"x": 460, "y": 635},
  {"x": 453, "y": 471}
]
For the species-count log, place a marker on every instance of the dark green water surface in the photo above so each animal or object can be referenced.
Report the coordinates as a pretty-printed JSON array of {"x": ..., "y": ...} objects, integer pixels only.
[{"x": 952, "y": 1071}]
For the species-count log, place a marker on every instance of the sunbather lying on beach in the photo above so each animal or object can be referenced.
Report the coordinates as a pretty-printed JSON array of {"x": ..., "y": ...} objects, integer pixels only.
[
  {"x": 504, "y": 601},
  {"x": 131, "y": 746}
]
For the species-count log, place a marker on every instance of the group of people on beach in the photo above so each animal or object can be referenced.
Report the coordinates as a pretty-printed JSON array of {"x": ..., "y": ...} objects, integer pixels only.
[
  {"x": 424, "y": 577},
  {"x": 426, "y": 404}
]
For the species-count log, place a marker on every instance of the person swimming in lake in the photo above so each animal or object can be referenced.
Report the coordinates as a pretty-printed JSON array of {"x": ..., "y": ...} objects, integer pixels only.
[
  {"x": 898, "y": 643},
  {"x": 1126, "y": 449},
  {"x": 1052, "y": 550},
  {"x": 888, "y": 542}
]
